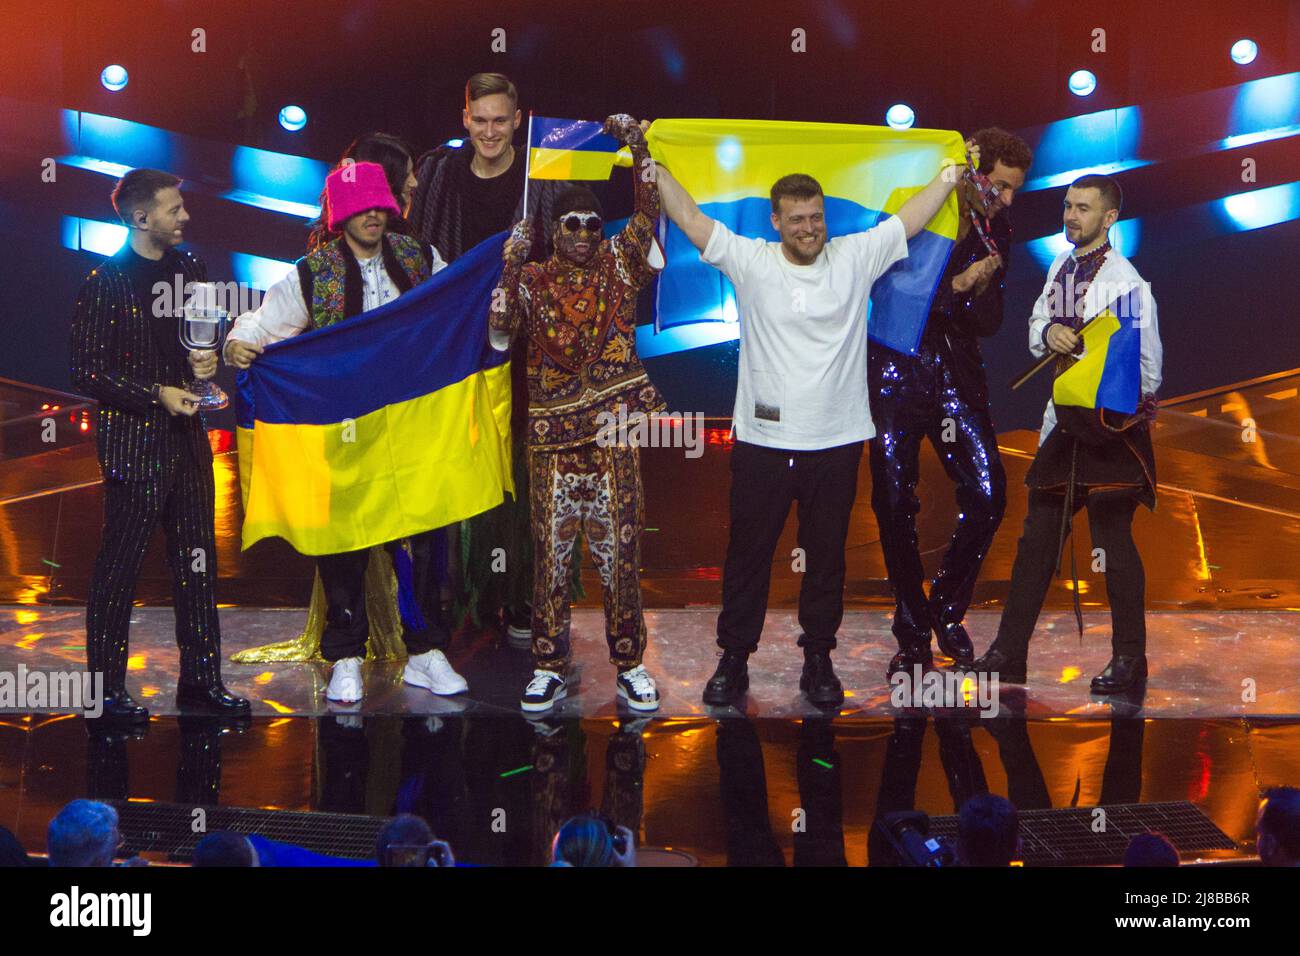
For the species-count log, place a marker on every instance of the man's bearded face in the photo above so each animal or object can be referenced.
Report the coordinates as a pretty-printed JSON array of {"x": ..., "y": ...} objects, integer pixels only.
[
  {"x": 367, "y": 228},
  {"x": 577, "y": 236}
]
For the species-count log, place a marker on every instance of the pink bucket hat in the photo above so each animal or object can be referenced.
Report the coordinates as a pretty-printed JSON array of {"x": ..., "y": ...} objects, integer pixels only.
[{"x": 354, "y": 188}]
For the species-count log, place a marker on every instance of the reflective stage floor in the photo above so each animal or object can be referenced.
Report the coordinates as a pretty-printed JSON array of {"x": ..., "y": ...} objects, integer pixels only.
[
  {"x": 1203, "y": 664},
  {"x": 1220, "y": 717},
  {"x": 734, "y": 791}
]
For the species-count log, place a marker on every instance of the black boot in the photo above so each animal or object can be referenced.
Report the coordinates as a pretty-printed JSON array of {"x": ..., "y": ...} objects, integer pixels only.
[
  {"x": 818, "y": 680},
  {"x": 1125, "y": 671},
  {"x": 1010, "y": 670},
  {"x": 730, "y": 681},
  {"x": 120, "y": 706},
  {"x": 211, "y": 700},
  {"x": 955, "y": 642},
  {"x": 910, "y": 653}
]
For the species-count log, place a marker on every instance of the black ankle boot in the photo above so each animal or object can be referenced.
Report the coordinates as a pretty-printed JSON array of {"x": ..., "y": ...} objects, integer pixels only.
[
  {"x": 1124, "y": 672},
  {"x": 1010, "y": 669},
  {"x": 730, "y": 681},
  {"x": 818, "y": 680},
  {"x": 910, "y": 653},
  {"x": 120, "y": 706},
  {"x": 212, "y": 700},
  {"x": 955, "y": 642}
]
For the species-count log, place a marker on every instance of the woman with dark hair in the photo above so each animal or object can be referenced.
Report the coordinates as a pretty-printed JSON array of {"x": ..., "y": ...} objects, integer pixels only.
[{"x": 390, "y": 152}]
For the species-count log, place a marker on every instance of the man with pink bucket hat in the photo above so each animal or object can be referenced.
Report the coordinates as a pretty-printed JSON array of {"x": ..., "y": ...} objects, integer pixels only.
[{"x": 360, "y": 268}]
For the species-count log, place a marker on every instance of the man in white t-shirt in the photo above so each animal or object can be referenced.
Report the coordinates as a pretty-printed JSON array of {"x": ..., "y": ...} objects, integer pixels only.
[{"x": 802, "y": 411}]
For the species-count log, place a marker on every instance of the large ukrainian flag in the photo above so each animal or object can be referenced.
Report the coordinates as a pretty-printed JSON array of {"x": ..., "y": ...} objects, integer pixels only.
[
  {"x": 388, "y": 424},
  {"x": 1109, "y": 375},
  {"x": 866, "y": 172}
]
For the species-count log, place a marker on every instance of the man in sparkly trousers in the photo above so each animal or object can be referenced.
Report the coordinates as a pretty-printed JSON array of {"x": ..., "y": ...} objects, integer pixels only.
[{"x": 152, "y": 445}]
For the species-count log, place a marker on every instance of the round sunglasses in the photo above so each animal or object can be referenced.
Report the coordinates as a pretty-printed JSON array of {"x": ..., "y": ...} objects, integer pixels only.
[{"x": 580, "y": 220}]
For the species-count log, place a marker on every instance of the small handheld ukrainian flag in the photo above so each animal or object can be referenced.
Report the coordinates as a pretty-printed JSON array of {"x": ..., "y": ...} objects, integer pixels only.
[
  {"x": 1109, "y": 375},
  {"x": 572, "y": 149}
]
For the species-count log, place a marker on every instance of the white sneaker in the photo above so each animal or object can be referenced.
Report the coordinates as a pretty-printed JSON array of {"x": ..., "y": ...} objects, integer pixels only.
[
  {"x": 432, "y": 670},
  {"x": 543, "y": 691},
  {"x": 637, "y": 687},
  {"x": 345, "y": 681}
]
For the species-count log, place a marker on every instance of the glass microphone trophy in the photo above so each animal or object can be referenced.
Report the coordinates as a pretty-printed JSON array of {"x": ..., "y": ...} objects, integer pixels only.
[{"x": 203, "y": 326}]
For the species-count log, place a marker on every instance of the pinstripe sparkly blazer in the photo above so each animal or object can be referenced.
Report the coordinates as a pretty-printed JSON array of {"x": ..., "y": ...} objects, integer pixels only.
[{"x": 116, "y": 359}]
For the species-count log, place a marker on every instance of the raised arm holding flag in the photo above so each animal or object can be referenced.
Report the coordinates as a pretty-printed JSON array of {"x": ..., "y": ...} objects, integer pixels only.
[
  {"x": 577, "y": 312},
  {"x": 802, "y": 407}
]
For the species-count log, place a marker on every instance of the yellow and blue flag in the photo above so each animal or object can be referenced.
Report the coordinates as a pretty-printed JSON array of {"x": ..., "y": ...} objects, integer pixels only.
[
  {"x": 391, "y": 423},
  {"x": 572, "y": 149},
  {"x": 1109, "y": 375},
  {"x": 866, "y": 172}
]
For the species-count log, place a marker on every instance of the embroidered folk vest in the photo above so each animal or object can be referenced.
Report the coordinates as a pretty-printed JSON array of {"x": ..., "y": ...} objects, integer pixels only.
[{"x": 323, "y": 275}]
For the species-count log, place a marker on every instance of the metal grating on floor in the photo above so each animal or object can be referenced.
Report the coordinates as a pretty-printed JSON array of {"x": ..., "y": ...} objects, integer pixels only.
[
  {"x": 1065, "y": 836},
  {"x": 169, "y": 828}
]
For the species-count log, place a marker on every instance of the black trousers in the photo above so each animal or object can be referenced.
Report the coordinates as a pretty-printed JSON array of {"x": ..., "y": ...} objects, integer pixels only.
[
  {"x": 764, "y": 483},
  {"x": 183, "y": 503},
  {"x": 742, "y": 784},
  {"x": 343, "y": 578},
  {"x": 902, "y": 768},
  {"x": 919, "y": 401},
  {"x": 1110, "y": 518}
]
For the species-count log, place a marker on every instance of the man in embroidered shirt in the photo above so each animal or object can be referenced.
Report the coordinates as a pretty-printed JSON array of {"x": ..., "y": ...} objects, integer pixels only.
[
  {"x": 359, "y": 271},
  {"x": 578, "y": 311},
  {"x": 1088, "y": 457},
  {"x": 802, "y": 412}
]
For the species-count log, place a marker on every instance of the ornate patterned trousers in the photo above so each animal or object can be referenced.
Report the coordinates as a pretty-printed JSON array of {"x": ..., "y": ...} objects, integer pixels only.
[{"x": 596, "y": 491}]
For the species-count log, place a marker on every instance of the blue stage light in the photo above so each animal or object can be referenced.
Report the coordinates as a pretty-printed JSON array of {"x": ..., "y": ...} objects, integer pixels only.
[
  {"x": 682, "y": 338},
  {"x": 276, "y": 181},
  {"x": 1262, "y": 207},
  {"x": 1244, "y": 51},
  {"x": 900, "y": 116},
  {"x": 455, "y": 143},
  {"x": 1082, "y": 82},
  {"x": 91, "y": 235},
  {"x": 256, "y": 271},
  {"x": 293, "y": 118},
  {"x": 114, "y": 77},
  {"x": 728, "y": 153}
]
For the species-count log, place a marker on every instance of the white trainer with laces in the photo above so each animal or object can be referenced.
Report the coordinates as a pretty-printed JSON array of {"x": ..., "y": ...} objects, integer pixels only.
[
  {"x": 345, "y": 681},
  {"x": 542, "y": 691},
  {"x": 432, "y": 670},
  {"x": 637, "y": 687}
]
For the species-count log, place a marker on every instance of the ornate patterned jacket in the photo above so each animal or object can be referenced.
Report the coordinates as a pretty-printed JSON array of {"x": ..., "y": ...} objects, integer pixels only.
[{"x": 581, "y": 329}]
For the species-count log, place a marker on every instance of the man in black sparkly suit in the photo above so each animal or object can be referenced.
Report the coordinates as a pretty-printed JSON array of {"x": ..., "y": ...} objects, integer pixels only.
[
  {"x": 940, "y": 395},
  {"x": 153, "y": 448}
]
